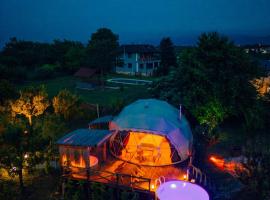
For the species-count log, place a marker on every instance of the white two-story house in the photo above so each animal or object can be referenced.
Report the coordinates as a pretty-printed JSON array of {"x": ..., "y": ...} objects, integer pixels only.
[{"x": 138, "y": 60}]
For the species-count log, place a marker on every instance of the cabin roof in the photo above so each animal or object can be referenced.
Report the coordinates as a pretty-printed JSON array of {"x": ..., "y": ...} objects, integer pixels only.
[
  {"x": 85, "y": 137},
  {"x": 85, "y": 72}
]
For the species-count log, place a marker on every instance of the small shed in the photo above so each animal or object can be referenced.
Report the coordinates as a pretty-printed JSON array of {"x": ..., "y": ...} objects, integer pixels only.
[
  {"x": 83, "y": 148},
  {"x": 85, "y": 72}
]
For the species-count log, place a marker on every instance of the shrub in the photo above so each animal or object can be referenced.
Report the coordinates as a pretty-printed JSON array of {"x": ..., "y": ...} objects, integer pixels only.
[{"x": 46, "y": 71}]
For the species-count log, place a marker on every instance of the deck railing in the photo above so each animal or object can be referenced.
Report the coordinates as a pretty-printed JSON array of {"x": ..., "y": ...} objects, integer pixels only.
[{"x": 111, "y": 178}]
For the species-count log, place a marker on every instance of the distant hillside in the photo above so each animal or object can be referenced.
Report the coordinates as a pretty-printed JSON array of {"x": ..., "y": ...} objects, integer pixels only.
[
  {"x": 243, "y": 40},
  {"x": 238, "y": 39}
]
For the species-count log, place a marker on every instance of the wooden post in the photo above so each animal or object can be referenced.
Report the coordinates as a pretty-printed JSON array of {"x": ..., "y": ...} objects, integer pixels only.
[
  {"x": 97, "y": 110},
  {"x": 63, "y": 189},
  {"x": 105, "y": 151},
  {"x": 117, "y": 187},
  {"x": 87, "y": 184},
  {"x": 88, "y": 173}
]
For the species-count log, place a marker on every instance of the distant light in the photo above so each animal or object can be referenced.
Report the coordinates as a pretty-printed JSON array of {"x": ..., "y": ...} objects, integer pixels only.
[
  {"x": 192, "y": 180},
  {"x": 152, "y": 186},
  {"x": 26, "y": 156},
  {"x": 173, "y": 186},
  {"x": 185, "y": 177}
]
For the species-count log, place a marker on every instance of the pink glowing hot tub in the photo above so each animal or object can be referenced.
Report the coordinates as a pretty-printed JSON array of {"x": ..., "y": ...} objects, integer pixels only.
[{"x": 181, "y": 190}]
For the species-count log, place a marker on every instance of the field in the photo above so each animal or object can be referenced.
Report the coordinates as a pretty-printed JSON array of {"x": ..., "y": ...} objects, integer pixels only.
[{"x": 103, "y": 97}]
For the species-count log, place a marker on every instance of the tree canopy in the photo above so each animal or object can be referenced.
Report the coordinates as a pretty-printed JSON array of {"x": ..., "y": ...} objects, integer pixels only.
[
  {"x": 167, "y": 54},
  {"x": 32, "y": 102},
  {"x": 65, "y": 104},
  {"x": 212, "y": 79},
  {"x": 102, "y": 49}
]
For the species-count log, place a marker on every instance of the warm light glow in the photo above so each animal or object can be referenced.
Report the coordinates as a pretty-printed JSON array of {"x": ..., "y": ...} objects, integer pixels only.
[
  {"x": 64, "y": 159},
  {"x": 185, "y": 177},
  {"x": 26, "y": 156},
  {"x": 229, "y": 166},
  {"x": 217, "y": 162},
  {"x": 152, "y": 186},
  {"x": 192, "y": 180},
  {"x": 80, "y": 163},
  {"x": 147, "y": 149}
]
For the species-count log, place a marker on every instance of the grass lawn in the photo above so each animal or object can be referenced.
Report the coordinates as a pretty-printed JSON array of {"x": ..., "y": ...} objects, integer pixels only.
[{"x": 105, "y": 97}]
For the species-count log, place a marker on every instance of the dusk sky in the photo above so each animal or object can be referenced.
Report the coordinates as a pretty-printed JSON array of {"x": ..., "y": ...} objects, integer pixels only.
[{"x": 135, "y": 21}]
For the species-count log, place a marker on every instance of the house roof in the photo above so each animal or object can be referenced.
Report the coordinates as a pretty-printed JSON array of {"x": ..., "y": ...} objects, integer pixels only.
[
  {"x": 84, "y": 138},
  {"x": 105, "y": 119},
  {"x": 138, "y": 48},
  {"x": 85, "y": 72}
]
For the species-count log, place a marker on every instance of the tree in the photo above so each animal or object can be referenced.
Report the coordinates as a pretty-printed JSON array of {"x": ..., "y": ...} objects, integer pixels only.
[
  {"x": 256, "y": 175},
  {"x": 12, "y": 151},
  {"x": 102, "y": 49},
  {"x": 74, "y": 58},
  {"x": 210, "y": 116},
  {"x": 32, "y": 102},
  {"x": 168, "y": 58},
  {"x": 19, "y": 147},
  {"x": 215, "y": 69},
  {"x": 49, "y": 128},
  {"x": 46, "y": 71},
  {"x": 66, "y": 104}
]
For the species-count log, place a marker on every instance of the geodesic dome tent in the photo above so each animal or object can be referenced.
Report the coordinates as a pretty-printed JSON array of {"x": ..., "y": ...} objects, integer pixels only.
[{"x": 150, "y": 132}]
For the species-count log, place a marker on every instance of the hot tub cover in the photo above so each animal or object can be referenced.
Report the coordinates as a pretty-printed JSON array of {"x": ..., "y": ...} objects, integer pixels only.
[{"x": 156, "y": 117}]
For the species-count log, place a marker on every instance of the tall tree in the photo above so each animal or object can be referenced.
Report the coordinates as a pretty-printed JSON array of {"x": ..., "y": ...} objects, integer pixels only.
[
  {"x": 102, "y": 50},
  {"x": 214, "y": 70},
  {"x": 12, "y": 151},
  {"x": 168, "y": 57}
]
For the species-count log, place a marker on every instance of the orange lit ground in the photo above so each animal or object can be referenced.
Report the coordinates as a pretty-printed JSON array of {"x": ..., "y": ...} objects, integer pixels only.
[
  {"x": 106, "y": 174},
  {"x": 230, "y": 166}
]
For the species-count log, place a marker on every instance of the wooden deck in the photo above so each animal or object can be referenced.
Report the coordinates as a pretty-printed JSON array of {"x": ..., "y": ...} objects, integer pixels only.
[{"x": 121, "y": 173}]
